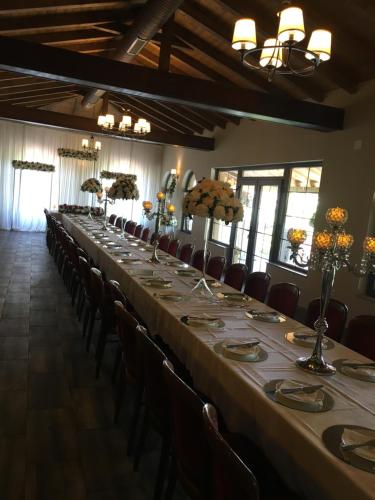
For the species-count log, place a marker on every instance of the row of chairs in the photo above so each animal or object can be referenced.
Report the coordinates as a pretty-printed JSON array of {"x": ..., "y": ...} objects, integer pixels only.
[
  {"x": 197, "y": 450},
  {"x": 284, "y": 297}
]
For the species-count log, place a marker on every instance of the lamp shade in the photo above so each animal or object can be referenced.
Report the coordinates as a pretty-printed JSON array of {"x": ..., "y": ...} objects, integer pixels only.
[
  {"x": 101, "y": 120},
  {"x": 109, "y": 121},
  {"x": 320, "y": 44},
  {"x": 98, "y": 145},
  {"x": 291, "y": 25},
  {"x": 271, "y": 55},
  {"x": 244, "y": 35},
  {"x": 127, "y": 120},
  {"x": 85, "y": 143}
]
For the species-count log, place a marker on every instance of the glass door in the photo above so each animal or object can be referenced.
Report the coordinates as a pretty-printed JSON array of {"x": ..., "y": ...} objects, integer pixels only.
[{"x": 253, "y": 236}]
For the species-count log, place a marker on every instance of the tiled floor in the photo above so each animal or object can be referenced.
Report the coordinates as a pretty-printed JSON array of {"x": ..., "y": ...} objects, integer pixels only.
[{"x": 57, "y": 438}]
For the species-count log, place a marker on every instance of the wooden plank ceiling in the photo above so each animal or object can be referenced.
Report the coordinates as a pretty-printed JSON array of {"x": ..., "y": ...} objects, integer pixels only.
[{"x": 195, "y": 43}]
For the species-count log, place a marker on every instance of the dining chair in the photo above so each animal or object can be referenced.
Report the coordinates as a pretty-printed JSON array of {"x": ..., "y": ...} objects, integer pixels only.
[
  {"x": 284, "y": 298},
  {"x": 118, "y": 222},
  {"x": 215, "y": 267},
  {"x": 336, "y": 315},
  {"x": 112, "y": 219},
  {"x": 174, "y": 245},
  {"x": 186, "y": 252},
  {"x": 191, "y": 456},
  {"x": 145, "y": 234},
  {"x": 131, "y": 228},
  {"x": 231, "y": 478},
  {"x": 138, "y": 231},
  {"x": 235, "y": 276},
  {"x": 131, "y": 367},
  {"x": 198, "y": 259},
  {"x": 164, "y": 242},
  {"x": 257, "y": 284},
  {"x": 156, "y": 406},
  {"x": 111, "y": 292},
  {"x": 361, "y": 335},
  {"x": 97, "y": 292}
]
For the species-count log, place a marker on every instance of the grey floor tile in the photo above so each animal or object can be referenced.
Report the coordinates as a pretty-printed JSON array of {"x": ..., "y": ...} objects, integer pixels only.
[
  {"x": 14, "y": 348},
  {"x": 12, "y": 467},
  {"x": 48, "y": 391},
  {"x": 51, "y": 435},
  {"x": 13, "y": 405},
  {"x": 13, "y": 375},
  {"x": 55, "y": 480},
  {"x": 44, "y": 360},
  {"x": 13, "y": 327}
]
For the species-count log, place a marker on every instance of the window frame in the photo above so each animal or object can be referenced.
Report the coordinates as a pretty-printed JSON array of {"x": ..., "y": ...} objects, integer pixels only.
[{"x": 281, "y": 208}]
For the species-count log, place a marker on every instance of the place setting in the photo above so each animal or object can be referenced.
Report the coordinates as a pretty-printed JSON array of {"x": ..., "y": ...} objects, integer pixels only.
[
  {"x": 172, "y": 297},
  {"x": 233, "y": 298},
  {"x": 144, "y": 273},
  {"x": 202, "y": 321},
  {"x": 364, "y": 371},
  {"x": 242, "y": 349},
  {"x": 187, "y": 272},
  {"x": 307, "y": 338},
  {"x": 353, "y": 444},
  {"x": 131, "y": 261},
  {"x": 299, "y": 395},
  {"x": 266, "y": 316},
  {"x": 157, "y": 282}
]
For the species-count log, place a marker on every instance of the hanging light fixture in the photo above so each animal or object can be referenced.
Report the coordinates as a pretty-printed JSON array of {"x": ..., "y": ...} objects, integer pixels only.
[
  {"x": 91, "y": 144},
  {"x": 125, "y": 127},
  {"x": 283, "y": 54}
]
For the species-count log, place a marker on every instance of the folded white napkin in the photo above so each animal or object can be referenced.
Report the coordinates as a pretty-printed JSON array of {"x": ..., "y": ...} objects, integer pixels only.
[
  {"x": 362, "y": 372},
  {"x": 354, "y": 436},
  {"x": 243, "y": 351},
  {"x": 313, "y": 400}
]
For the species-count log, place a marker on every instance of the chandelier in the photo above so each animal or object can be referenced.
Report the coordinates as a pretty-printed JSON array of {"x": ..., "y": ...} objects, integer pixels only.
[
  {"x": 283, "y": 54},
  {"x": 125, "y": 127},
  {"x": 91, "y": 145}
]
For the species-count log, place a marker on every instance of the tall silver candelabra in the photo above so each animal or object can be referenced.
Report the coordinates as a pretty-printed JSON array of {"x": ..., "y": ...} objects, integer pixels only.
[
  {"x": 162, "y": 213},
  {"x": 105, "y": 200},
  {"x": 330, "y": 253}
]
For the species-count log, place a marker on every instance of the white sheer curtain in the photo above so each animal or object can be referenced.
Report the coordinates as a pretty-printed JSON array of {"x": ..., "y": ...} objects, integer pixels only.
[{"x": 24, "y": 194}]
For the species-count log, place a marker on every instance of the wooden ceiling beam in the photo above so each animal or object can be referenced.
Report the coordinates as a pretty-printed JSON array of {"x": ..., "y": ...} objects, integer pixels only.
[
  {"x": 26, "y": 24},
  {"x": 44, "y": 102},
  {"x": 22, "y": 7},
  {"x": 71, "y": 67},
  {"x": 154, "y": 112},
  {"x": 71, "y": 122},
  {"x": 30, "y": 90},
  {"x": 55, "y": 93}
]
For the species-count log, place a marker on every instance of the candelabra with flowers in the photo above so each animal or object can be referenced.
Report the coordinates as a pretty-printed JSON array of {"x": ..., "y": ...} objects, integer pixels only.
[
  {"x": 213, "y": 200},
  {"x": 164, "y": 216},
  {"x": 330, "y": 253},
  {"x": 92, "y": 186}
]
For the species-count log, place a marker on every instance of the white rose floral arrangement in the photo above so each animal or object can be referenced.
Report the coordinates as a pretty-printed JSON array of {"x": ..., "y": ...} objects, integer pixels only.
[
  {"x": 33, "y": 165},
  {"x": 92, "y": 185},
  {"x": 124, "y": 188},
  {"x": 106, "y": 174},
  {"x": 211, "y": 198}
]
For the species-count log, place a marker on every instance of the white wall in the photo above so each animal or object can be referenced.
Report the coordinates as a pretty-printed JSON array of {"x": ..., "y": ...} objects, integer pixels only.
[{"x": 348, "y": 177}]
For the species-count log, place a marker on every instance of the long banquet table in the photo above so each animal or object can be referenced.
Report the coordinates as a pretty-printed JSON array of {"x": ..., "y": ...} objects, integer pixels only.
[{"x": 290, "y": 438}]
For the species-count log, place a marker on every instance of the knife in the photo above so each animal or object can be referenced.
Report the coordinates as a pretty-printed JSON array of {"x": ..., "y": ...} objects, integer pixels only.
[
  {"x": 350, "y": 447},
  {"x": 247, "y": 344},
  {"x": 254, "y": 312},
  {"x": 359, "y": 365},
  {"x": 308, "y": 389}
]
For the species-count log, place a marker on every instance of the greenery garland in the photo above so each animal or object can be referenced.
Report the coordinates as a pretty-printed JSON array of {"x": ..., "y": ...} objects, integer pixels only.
[
  {"x": 106, "y": 174},
  {"x": 32, "y": 165},
  {"x": 78, "y": 154}
]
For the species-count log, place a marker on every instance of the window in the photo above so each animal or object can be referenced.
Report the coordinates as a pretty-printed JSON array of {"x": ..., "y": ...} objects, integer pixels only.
[
  {"x": 190, "y": 182},
  {"x": 301, "y": 206},
  {"x": 220, "y": 231},
  {"x": 275, "y": 198}
]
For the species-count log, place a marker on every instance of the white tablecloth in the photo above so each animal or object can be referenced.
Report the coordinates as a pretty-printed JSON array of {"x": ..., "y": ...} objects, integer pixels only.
[{"x": 290, "y": 438}]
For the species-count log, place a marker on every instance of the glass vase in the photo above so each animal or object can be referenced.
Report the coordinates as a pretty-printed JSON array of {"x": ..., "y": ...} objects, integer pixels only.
[{"x": 201, "y": 288}]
